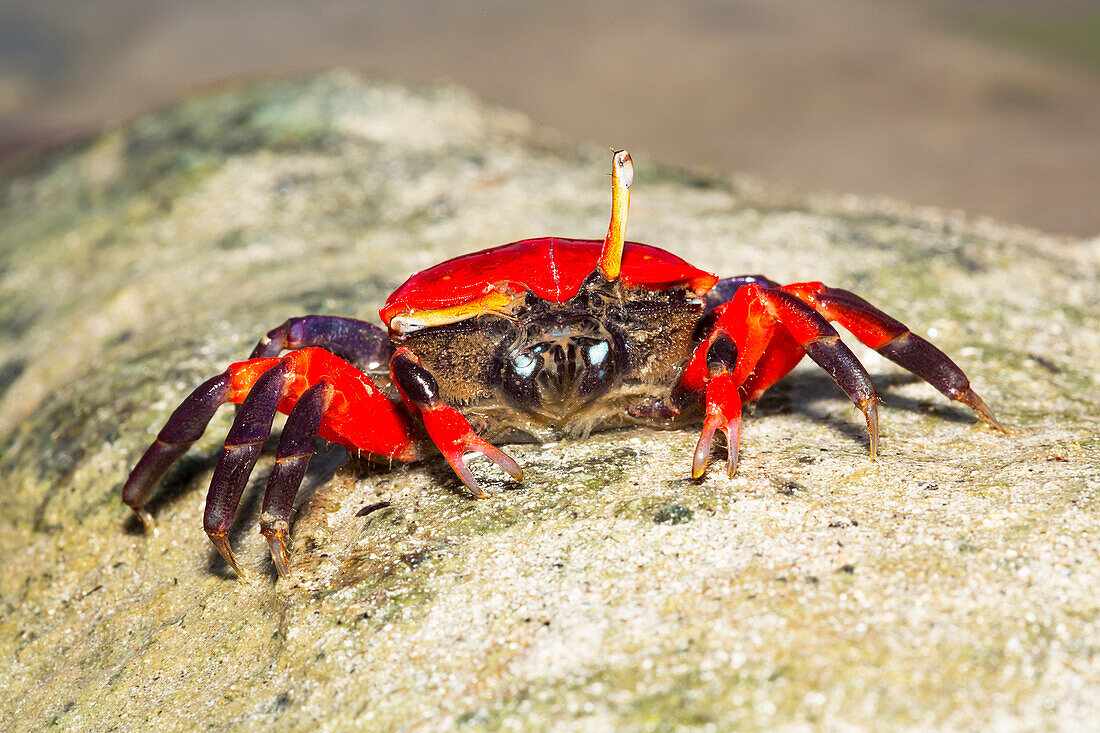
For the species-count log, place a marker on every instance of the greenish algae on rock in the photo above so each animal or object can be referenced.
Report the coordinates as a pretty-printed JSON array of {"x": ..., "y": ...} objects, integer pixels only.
[{"x": 954, "y": 584}]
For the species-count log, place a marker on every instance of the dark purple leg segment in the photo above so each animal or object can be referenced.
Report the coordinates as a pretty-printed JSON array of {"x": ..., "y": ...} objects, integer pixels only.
[
  {"x": 246, "y": 438},
  {"x": 920, "y": 357},
  {"x": 183, "y": 428},
  {"x": 295, "y": 449},
  {"x": 363, "y": 344},
  {"x": 724, "y": 290},
  {"x": 833, "y": 356}
]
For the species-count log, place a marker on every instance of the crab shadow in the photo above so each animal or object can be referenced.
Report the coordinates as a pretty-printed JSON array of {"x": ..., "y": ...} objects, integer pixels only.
[{"x": 812, "y": 395}]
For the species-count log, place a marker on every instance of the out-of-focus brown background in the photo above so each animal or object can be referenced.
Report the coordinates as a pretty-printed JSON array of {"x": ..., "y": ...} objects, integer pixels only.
[{"x": 991, "y": 106}]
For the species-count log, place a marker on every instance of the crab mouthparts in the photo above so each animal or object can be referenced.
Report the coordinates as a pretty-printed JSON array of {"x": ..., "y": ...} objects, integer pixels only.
[{"x": 560, "y": 372}]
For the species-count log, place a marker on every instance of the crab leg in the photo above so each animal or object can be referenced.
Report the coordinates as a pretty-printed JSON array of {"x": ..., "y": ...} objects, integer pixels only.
[
  {"x": 184, "y": 427},
  {"x": 296, "y": 446},
  {"x": 724, "y": 290},
  {"x": 338, "y": 402},
  {"x": 723, "y": 406},
  {"x": 751, "y": 320},
  {"x": 363, "y": 344},
  {"x": 781, "y": 356},
  {"x": 895, "y": 341},
  {"x": 782, "y": 353},
  {"x": 448, "y": 429},
  {"x": 871, "y": 326},
  {"x": 246, "y": 438}
]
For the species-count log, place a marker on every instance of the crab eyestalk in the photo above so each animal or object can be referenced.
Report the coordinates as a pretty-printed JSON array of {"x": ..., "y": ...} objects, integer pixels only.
[{"x": 622, "y": 174}]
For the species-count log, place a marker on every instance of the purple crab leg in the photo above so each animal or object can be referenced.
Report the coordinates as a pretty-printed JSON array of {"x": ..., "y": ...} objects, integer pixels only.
[
  {"x": 296, "y": 446},
  {"x": 896, "y": 342},
  {"x": 184, "y": 427},
  {"x": 363, "y": 344},
  {"x": 246, "y": 438},
  {"x": 822, "y": 344}
]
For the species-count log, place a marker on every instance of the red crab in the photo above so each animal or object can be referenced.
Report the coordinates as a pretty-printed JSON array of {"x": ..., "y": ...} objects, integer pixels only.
[{"x": 539, "y": 339}]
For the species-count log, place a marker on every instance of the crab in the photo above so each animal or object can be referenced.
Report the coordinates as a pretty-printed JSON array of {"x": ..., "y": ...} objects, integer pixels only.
[{"x": 540, "y": 339}]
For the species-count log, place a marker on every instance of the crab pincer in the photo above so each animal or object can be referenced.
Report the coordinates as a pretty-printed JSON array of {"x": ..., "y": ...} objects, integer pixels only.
[
  {"x": 450, "y": 431},
  {"x": 722, "y": 407}
]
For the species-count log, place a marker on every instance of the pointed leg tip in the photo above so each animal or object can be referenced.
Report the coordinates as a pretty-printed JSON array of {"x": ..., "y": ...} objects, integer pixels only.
[
  {"x": 971, "y": 399},
  {"x": 732, "y": 431},
  {"x": 870, "y": 411},
  {"x": 276, "y": 543},
  {"x": 475, "y": 489},
  {"x": 506, "y": 463},
  {"x": 221, "y": 543},
  {"x": 147, "y": 522},
  {"x": 701, "y": 457},
  {"x": 511, "y": 468},
  {"x": 464, "y": 475},
  {"x": 993, "y": 422},
  {"x": 734, "y": 449}
]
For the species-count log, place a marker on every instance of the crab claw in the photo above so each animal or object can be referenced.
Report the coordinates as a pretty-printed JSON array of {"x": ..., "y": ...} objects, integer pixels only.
[
  {"x": 723, "y": 413},
  {"x": 453, "y": 435},
  {"x": 446, "y": 426}
]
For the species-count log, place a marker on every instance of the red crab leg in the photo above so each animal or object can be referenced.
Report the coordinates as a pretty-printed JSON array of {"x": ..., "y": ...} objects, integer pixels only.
[
  {"x": 622, "y": 175},
  {"x": 357, "y": 415},
  {"x": 895, "y": 341},
  {"x": 780, "y": 357},
  {"x": 782, "y": 353},
  {"x": 750, "y": 320},
  {"x": 723, "y": 406},
  {"x": 448, "y": 429}
]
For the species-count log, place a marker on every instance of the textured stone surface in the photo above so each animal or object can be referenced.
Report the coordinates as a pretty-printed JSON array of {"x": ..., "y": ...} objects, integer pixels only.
[{"x": 955, "y": 583}]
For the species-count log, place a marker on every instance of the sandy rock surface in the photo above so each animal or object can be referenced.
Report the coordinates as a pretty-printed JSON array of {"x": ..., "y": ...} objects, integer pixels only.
[{"x": 953, "y": 584}]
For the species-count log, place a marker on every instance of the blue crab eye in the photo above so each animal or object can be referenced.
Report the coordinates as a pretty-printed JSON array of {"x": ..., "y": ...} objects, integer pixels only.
[
  {"x": 598, "y": 353},
  {"x": 524, "y": 365}
]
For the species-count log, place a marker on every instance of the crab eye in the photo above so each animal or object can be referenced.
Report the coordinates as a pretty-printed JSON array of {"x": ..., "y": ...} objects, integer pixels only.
[
  {"x": 598, "y": 353},
  {"x": 523, "y": 365}
]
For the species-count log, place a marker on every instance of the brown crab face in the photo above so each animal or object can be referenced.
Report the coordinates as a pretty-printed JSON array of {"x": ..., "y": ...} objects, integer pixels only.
[{"x": 564, "y": 361}]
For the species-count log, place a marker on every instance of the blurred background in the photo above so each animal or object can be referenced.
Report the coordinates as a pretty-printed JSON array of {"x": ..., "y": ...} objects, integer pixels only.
[{"x": 990, "y": 106}]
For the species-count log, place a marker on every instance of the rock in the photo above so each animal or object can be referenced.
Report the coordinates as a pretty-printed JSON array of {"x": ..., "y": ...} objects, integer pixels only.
[{"x": 955, "y": 583}]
